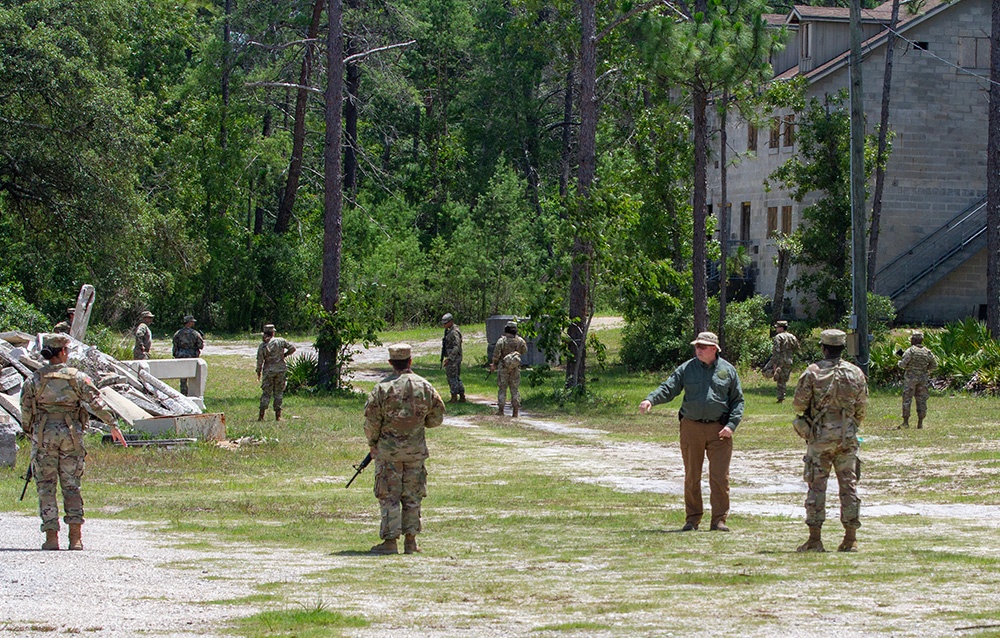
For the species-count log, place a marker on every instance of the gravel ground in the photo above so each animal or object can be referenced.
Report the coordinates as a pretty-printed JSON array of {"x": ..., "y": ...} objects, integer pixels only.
[{"x": 131, "y": 581}]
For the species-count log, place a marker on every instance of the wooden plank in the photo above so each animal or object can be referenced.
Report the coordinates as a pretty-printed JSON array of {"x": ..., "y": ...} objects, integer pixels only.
[
  {"x": 122, "y": 406},
  {"x": 81, "y": 318},
  {"x": 7, "y": 358}
]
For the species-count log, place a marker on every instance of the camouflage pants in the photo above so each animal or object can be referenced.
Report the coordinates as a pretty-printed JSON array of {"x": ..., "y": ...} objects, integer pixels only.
[
  {"x": 819, "y": 459},
  {"x": 58, "y": 458},
  {"x": 509, "y": 379},
  {"x": 781, "y": 376},
  {"x": 272, "y": 384},
  {"x": 915, "y": 388},
  {"x": 453, "y": 370},
  {"x": 399, "y": 488},
  {"x": 138, "y": 354}
]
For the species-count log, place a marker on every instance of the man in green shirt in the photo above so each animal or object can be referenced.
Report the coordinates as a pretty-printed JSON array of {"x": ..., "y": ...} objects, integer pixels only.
[{"x": 709, "y": 414}]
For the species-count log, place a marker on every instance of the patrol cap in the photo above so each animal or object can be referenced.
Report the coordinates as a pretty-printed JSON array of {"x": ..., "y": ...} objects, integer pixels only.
[
  {"x": 269, "y": 327},
  {"x": 781, "y": 324},
  {"x": 55, "y": 340},
  {"x": 510, "y": 324},
  {"x": 707, "y": 339},
  {"x": 446, "y": 318},
  {"x": 917, "y": 336},
  {"x": 71, "y": 311},
  {"x": 145, "y": 314},
  {"x": 833, "y": 337},
  {"x": 399, "y": 352},
  {"x": 189, "y": 318}
]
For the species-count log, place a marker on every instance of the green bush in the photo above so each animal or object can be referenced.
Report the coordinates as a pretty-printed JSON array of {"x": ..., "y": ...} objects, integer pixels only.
[
  {"x": 18, "y": 314},
  {"x": 748, "y": 340},
  {"x": 303, "y": 373}
]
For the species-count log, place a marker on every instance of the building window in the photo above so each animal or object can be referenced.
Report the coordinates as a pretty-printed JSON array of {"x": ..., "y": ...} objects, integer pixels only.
[
  {"x": 806, "y": 41},
  {"x": 786, "y": 220},
  {"x": 789, "y": 130},
  {"x": 775, "y": 133},
  {"x": 772, "y": 221},
  {"x": 751, "y": 137},
  {"x": 745, "y": 221},
  {"x": 974, "y": 53}
]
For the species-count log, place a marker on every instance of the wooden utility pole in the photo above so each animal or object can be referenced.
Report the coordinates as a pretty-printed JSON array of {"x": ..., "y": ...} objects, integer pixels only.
[{"x": 859, "y": 251}]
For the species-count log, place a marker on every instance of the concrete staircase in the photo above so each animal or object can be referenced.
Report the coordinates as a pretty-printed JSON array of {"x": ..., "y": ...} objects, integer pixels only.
[{"x": 912, "y": 273}]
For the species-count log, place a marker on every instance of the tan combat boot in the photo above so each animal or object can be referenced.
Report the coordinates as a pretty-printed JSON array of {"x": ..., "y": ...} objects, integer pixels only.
[
  {"x": 814, "y": 544},
  {"x": 514, "y": 410},
  {"x": 260, "y": 417},
  {"x": 500, "y": 411},
  {"x": 388, "y": 546},
  {"x": 277, "y": 415},
  {"x": 51, "y": 539},
  {"x": 850, "y": 542},
  {"x": 920, "y": 422},
  {"x": 905, "y": 424},
  {"x": 461, "y": 398},
  {"x": 410, "y": 544},
  {"x": 75, "y": 536}
]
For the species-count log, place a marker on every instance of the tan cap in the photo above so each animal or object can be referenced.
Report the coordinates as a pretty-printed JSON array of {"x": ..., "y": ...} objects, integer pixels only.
[
  {"x": 917, "y": 336},
  {"x": 510, "y": 324},
  {"x": 781, "y": 324},
  {"x": 269, "y": 327},
  {"x": 707, "y": 339},
  {"x": 833, "y": 337},
  {"x": 55, "y": 340},
  {"x": 189, "y": 319},
  {"x": 71, "y": 311},
  {"x": 447, "y": 318},
  {"x": 145, "y": 314},
  {"x": 399, "y": 352}
]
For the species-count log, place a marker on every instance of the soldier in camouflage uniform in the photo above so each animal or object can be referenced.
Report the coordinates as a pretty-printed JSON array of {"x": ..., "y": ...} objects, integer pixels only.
[
  {"x": 272, "y": 370},
  {"x": 65, "y": 325},
  {"x": 399, "y": 408},
  {"x": 507, "y": 357},
  {"x": 832, "y": 396},
  {"x": 53, "y": 414},
  {"x": 782, "y": 356},
  {"x": 143, "y": 336},
  {"x": 917, "y": 364},
  {"x": 188, "y": 344},
  {"x": 451, "y": 358}
]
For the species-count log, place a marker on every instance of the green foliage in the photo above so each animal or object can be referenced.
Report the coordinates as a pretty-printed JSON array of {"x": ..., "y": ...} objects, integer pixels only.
[
  {"x": 18, "y": 314},
  {"x": 881, "y": 315},
  {"x": 303, "y": 373},
  {"x": 748, "y": 341}
]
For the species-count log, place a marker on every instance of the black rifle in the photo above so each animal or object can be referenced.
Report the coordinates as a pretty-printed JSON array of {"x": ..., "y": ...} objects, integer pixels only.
[
  {"x": 27, "y": 479},
  {"x": 488, "y": 375},
  {"x": 360, "y": 467}
]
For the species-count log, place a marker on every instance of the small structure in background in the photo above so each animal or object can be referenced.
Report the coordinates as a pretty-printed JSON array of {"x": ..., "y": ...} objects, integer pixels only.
[{"x": 494, "y": 330}]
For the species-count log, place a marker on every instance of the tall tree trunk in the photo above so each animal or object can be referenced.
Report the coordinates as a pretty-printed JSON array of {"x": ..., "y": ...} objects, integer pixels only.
[
  {"x": 567, "y": 135},
  {"x": 581, "y": 252},
  {"x": 723, "y": 220},
  {"x": 333, "y": 196},
  {"x": 859, "y": 253},
  {"x": 883, "y": 136},
  {"x": 993, "y": 183},
  {"x": 699, "y": 251},
  {"x": 287, "y": 203},
  {"x": 778, "y": 301}
]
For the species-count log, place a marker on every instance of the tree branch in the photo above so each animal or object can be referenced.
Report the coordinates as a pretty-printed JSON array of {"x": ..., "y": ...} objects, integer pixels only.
[
  {"x": 364, "y": 54},
  {"x": 645, "y": 6}
]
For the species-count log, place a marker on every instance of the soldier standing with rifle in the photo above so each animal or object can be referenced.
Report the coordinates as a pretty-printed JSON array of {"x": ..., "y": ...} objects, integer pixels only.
[
  {"x": 451, "y": 358},
  {"x": 399, "y": 409},
  {"x": 917, "y": 363},
  {"x": 53, "y": 414},
  {"x": 783, "y": 349},
  {"x": 831, "y": 399},
  {"x": 272, "y": 370}
]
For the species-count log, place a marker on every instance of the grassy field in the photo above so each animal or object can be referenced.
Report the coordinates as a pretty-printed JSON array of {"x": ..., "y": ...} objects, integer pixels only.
[{"x": 528, "y": 532}]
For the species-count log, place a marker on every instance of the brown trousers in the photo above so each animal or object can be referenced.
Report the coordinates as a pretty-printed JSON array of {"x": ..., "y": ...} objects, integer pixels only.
[{"x": 698, "y": 440}]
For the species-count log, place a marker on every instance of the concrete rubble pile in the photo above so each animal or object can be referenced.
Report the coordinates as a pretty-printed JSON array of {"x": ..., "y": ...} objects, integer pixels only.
[{"x": 129, "y": 393}]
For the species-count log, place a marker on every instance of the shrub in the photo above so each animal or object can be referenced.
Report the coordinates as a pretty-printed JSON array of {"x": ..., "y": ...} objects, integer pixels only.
[{"x": 303, "y": 373}]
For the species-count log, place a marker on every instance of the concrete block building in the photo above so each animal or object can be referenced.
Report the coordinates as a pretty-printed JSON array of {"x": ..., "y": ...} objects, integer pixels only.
[{"x": 931, "y": 257}]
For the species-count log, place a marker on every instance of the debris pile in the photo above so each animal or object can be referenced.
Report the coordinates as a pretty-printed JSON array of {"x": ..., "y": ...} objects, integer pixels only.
[{"x": 129, "y": 394}]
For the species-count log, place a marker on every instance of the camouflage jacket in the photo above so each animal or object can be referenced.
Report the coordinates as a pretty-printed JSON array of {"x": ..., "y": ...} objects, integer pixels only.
[
  {"x": 783, "y": 348},
  {"x": 399, "y": 408},
  {"x": 508, "y": 344},
  {"x": 62, "y": 392},
  {"x": 451, "y": 345},
  {"x": 62, "y": 326},
  {"x": 834, "y": 395},
  {"x": 143, "y": 337},
  {"x": 188, "y": 343},
  {"x": 271, "y": 355},
  {"x": 917, "y": 362}
]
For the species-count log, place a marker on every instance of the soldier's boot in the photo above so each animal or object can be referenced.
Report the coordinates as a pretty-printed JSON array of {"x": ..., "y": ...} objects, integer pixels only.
[
  {"x": 514, "y": 410},
  {"x": 277, "y": 415},
  {"x": 453, "y": 398},
  {"x": 905, "y": 424},
  {"x": 75, "y": 536},
  {"x": 388, "y": 546},
  {"x": 410, "y": 544},
  {"x": 920, "y": 422},
  {"x": 260, "y": 417},
  {"x": 51, "y": 539},
  {"x": 461, "y": 398},
  {"x": 500, "y": 410},
  {"x": 850, "y": 542},
  {"x": 814, "y": 544}
]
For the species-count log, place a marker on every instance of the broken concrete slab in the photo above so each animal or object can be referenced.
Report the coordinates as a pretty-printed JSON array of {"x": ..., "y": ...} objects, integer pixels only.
[{"x": 208, "y": 427}]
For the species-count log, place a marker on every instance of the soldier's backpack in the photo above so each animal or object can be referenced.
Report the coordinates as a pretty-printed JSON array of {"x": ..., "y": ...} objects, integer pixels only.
[{"x": 511, "y": 361}]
